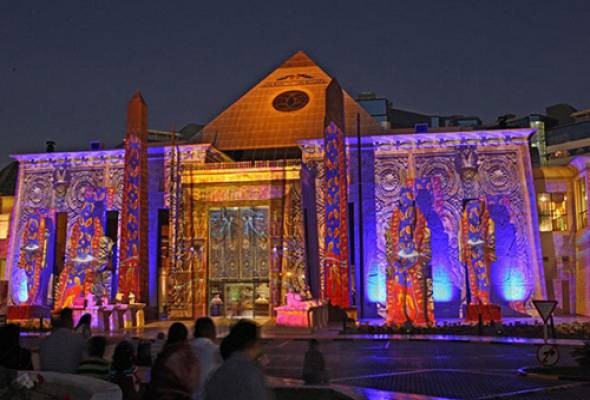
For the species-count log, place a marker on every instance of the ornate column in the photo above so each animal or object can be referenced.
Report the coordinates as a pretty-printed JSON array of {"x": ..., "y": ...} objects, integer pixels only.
[
  {"x": 133, "y": 251},
  {"x": 336, "y": 240}
]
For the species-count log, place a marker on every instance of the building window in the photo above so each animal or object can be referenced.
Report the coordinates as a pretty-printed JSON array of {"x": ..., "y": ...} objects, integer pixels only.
[
  {"x": 552, "y": 212},
  {"x": 581, "y": 204},
  {"x": 4, "y": 225}
]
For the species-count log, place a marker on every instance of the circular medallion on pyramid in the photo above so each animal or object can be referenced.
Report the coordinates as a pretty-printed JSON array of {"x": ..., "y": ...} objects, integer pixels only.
[{"x": 291, "y": 100}]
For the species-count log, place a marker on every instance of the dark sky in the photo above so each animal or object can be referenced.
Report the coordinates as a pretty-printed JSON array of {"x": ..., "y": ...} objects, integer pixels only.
[{"x": 67, "y": 68}]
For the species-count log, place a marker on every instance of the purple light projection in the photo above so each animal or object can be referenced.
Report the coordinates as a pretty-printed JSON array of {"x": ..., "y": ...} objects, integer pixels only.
[{"x": 504, "y": 177}]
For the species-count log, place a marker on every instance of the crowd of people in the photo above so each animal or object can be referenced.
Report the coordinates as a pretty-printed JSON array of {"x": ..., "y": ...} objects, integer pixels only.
[{"x": 184, "y": 368}]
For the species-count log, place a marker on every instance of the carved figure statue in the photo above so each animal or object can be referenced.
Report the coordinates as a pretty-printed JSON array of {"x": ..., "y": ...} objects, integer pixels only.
[
  {"x": 32, "y": 259},
  {"x": 409, "y": 273},
  {"x": 85, "y": 234},
  {"x": 73, "y": 291},
  {"x": 101, "y": 286},
  {"x": 477, "y": 249}
]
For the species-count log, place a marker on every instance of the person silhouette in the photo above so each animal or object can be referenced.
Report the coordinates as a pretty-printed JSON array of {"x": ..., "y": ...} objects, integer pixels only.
[{"x": 314, "y": 365}]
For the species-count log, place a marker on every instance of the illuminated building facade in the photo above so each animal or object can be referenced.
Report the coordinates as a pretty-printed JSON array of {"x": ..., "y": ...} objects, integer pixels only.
[
  {"x": 562, "y": 201},
  {"x": 268, "y": 198},
  {"x": 7, "y": 185}
]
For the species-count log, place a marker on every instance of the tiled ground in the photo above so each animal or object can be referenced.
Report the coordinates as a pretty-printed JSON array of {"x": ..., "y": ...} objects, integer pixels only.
[
  {"x": 450, "y": 384},
  {"x": 451, "y": 370},
  {"x": 443, "y": 367}
]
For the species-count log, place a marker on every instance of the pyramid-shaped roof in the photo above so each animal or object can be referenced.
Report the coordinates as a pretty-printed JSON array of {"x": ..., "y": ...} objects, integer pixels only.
[{"x": 285, "y": 107}]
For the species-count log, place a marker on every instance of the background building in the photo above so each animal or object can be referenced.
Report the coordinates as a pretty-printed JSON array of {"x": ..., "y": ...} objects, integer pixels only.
[
  {"x": 398, "y": 120},
  {"x": 562, "y": 201},
  {"x": 570, "y": 139}
]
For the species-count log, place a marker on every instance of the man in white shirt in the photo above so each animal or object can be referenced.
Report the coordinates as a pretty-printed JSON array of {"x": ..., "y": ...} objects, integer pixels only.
[
  {"x": 206, "y": 351},
  {"x": 62, "y": 350}
]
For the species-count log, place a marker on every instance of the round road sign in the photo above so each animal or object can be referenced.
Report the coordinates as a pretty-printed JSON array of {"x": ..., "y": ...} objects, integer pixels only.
[{"x": 548, "y": 355}]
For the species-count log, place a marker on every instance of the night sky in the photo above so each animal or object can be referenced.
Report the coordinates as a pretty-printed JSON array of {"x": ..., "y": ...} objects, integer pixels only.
[{"x": 67, "y": 68}]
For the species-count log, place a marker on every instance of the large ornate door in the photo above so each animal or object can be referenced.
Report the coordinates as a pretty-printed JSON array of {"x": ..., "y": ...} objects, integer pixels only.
[{"x": 239, "y": 257}]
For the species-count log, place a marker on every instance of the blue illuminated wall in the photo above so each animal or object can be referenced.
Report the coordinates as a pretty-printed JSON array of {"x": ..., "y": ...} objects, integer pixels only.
[
  {"x": 51, "y": 183},
  {"x": 30, "y": 278},
  {"x": 369, "y": 282},
  {"x": 497, "y": 170},
  {"x": 56, "y": 182},
  {"x": 510, "y": 281},
  {"x": 155, "y": 202},
  {"x": 447, "y": 296}
]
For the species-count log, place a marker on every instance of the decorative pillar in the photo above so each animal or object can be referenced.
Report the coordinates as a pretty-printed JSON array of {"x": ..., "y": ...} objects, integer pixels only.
[
  {"x": 336, "y": 239},
  {"x": 133, "y": 252}
]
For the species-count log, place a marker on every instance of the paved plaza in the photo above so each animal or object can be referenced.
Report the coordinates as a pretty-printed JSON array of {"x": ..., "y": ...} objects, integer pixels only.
[
  {"x": 437, "y": 366},
  {"x": 441, "y": 366},
  {"x": 439, "y": 369}
]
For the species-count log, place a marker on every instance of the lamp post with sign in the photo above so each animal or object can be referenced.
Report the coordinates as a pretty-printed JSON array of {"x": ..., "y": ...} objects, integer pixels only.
[{"x": 547, "y": 354}]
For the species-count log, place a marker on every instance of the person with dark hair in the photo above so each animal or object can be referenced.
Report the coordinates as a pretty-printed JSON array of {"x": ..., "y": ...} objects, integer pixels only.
[
  {"x": 66, "y": 318},
  {"x": 205, "y": 328},
  {"x": 95, "y": 365},
  {"x": 240, "y": 376},
  {"x": 124, "y": 372},
  {"x": 206, "y": 351},
  {"x": 83, "y": 327},
  {"x": 175, "y": 374},
  {"x": 158, "y": 344},
  {"x": 12, "y": 355},
  {"x": 314, "y": 366},
  {"x": 177, "y": 333},
  {"x": 62, "y": 350}
]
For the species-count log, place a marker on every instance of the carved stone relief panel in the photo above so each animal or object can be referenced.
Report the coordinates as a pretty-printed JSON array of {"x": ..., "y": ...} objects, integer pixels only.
[
  {"x": 499, "y": 174},
  {"x": 38, "y": 190},
  {"x": 81, "y": 182},
  {"x": 390, "y": 175},
  {"x": 443, "y": 168}
]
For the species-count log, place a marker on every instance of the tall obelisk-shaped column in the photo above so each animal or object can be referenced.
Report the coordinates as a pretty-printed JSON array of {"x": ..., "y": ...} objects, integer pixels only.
[
  {"x": 336, "y": 240},
  {"x": 133, "y": 253}
]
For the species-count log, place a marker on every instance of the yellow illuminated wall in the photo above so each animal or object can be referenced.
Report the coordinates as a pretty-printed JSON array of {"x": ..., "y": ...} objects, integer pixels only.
[{"x": 6, "y": 204}]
